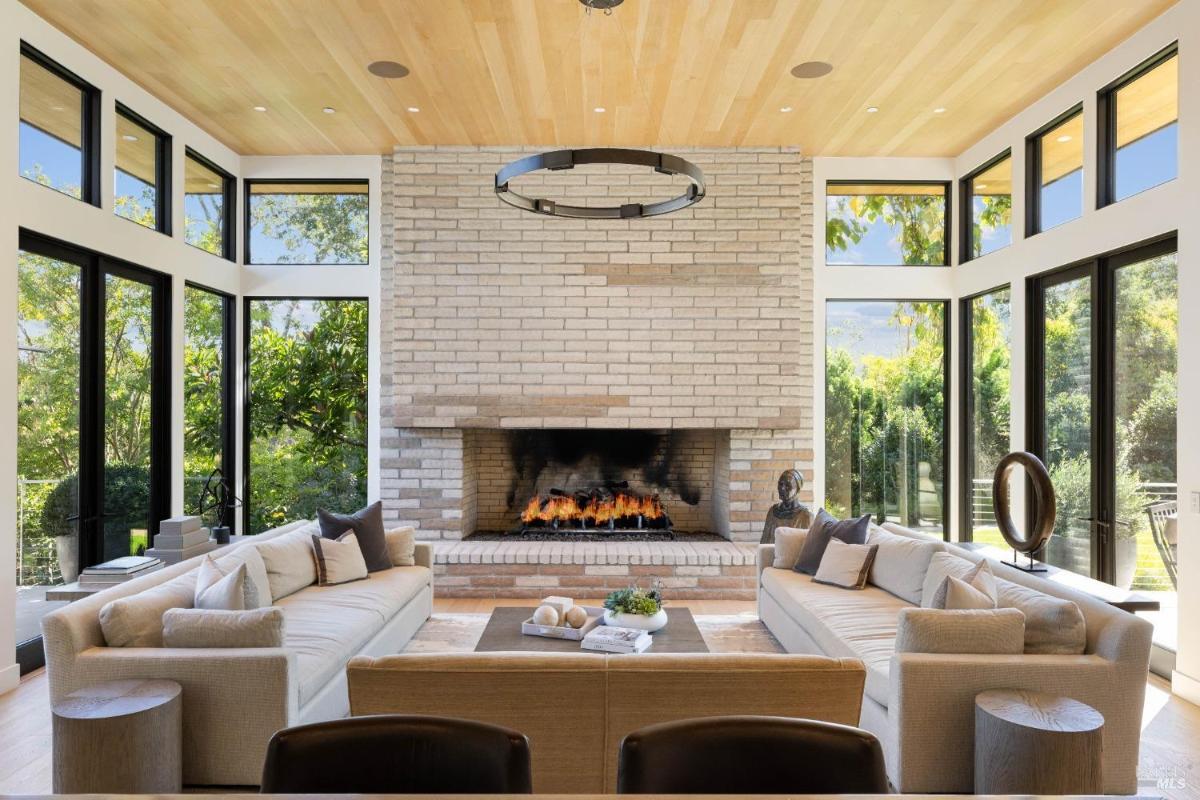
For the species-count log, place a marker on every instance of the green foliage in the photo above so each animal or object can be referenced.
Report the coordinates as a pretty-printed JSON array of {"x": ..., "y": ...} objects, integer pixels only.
[
  {"x": 635, "y": 600},
  {"x": 126, "y": 501},
  {"x": 919, "y": 219},
  {"x": 994, "y": 212},
  {"x": 312, "y": 228}
]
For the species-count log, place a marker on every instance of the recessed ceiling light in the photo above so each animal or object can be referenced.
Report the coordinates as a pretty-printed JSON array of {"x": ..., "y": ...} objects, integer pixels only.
[
  {"x": 812, "y": 69},
  {"x": 981, "y": 186},
  {"x": 329, "y": 110},
  {"x": 58, "y": 108},
  {"x": 939, "y": 110},
  {"x": 260, "y": 109},
  {"x": 129, "y": 137},
  {"x": 1063, "y": 138},
  {"x": 785, "y": 110},
  {"x": 872, "y": 109},
  {"x": 387, "y": 69},
  {"x": 413, "y": 109},
  {"x": 599, "y": 109},
  {"x": 213, "y": 186}
]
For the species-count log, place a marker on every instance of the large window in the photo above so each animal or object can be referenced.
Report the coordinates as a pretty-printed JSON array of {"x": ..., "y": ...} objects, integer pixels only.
[
  {"x": 207, "y": 206},
  {"x": 886, "y": 224},
  {"x": 885, "y": 393},
  {"x": 1139, "y": 138},
  {"x": 986, "y": 343},
  {"x": 141, "y": 183},
  {"x": 987, "y": 211},
  {"x": 207, "y": 405},
  {"x": 1054, "y": 157},
  {"x": 306, "y": 408},
  {"x": 306, "y": 222},
  {"x": 58, "y": 135}
]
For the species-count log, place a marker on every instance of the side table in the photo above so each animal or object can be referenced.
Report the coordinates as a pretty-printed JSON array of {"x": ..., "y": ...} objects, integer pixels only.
[
  {"x": 120, "y": 737},
  {"x": 1034, "y": 743}
]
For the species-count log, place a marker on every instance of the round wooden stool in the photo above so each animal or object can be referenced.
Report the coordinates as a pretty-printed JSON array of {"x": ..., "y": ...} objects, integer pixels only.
[
  {"x": 1033, "y": 743},
  {"x": 121, "y": 737}
]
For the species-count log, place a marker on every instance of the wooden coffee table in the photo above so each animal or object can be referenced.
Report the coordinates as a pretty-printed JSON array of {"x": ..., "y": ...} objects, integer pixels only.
[{"x": 503, "y": 633}]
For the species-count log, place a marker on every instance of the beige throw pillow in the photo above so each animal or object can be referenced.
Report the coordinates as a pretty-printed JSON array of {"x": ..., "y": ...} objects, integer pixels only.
[
  {"x": 289, "y": 561},
  {"x": 137, "y": 620},
  {"x": 901, "y": 563},
  {"x": 976, "y": 589},
  {"x": 1053, "y": 626},
  {"x": 194, "y": 627},
  {"x": 942, "y": 566},
  {"x": 258, "y": 585},
  {"x": 339, "y": 560},
  {"x": 998, "y": 631},
  {"x": 217, "y": 591},
  {"x": 402, "y": 546},
  {"x": 845, "y": 565},
  {"x": 788, "y": 542}
]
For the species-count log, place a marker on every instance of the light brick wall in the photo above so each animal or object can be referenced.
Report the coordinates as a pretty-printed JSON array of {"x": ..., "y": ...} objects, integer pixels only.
[{"x": 497, "y": 318}]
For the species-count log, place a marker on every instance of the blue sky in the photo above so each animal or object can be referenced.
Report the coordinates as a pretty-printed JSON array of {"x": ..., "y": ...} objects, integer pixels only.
[{"x": 863, "y": 328}]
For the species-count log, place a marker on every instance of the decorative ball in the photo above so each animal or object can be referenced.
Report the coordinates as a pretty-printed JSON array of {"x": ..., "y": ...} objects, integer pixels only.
[
  {"x": 545, "y": 615},
  {"x": 576, "y": 616}
]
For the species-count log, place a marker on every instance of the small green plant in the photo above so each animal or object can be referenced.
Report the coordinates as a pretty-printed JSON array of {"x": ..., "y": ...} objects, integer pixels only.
[{"x": 635, "y": 600}]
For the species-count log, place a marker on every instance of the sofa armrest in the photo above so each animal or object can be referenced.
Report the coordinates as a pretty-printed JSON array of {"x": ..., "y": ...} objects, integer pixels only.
[
  {"x": 423, "y": 554},
  {"x": 766, "y": 557},
  {"x": 931, "y": 713},
  {"x": 234, "y": 699}
]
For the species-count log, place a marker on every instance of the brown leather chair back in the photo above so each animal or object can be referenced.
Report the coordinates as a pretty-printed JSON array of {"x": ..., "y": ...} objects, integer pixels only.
[
  {"x": 394, "y": 754},
  {"x": 751, "y": 755}
]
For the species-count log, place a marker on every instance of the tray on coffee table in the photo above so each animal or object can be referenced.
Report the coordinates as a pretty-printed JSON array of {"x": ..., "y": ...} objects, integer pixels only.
[{"x": 503, "y": 633}]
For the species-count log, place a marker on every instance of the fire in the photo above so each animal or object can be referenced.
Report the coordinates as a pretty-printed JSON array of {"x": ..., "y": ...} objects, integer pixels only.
[{"x": 594, "y": 511}]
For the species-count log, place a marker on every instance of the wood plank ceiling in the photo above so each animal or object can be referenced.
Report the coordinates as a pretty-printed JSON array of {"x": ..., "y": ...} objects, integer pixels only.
[{"x": 668, "y": 72}]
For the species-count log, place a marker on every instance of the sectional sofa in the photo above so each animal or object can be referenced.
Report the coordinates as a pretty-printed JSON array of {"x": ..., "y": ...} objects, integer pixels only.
[
  {"x": 235, "y": 699},
  {"x": 921, "y": 704}
]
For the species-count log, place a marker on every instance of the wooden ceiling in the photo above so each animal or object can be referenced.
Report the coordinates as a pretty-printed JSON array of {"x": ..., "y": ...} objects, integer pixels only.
[{"x": 668, "y": 72}]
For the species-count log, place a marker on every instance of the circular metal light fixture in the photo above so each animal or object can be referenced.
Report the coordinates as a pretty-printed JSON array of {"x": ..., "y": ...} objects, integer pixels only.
[
  {"x": 812, "y": 69},
  {"x": 601, "y": 5},
  {"x": 555, "y": 160},
  {"x": 387, "y": 69}
]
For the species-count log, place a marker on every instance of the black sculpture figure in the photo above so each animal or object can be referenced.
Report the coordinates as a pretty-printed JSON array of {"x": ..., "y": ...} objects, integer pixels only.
[{"x": 789, "y": 512}]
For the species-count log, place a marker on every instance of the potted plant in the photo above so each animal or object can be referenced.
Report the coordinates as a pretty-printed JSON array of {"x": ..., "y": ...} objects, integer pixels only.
[{"x": 636, "y": 608}]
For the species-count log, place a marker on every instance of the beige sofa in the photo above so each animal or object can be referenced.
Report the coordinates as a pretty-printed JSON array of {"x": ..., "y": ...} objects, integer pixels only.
[
  {"x": 921, "y": 705},
  {"x": 576, "y": 707},
  {"x": 235, "y": 699}
]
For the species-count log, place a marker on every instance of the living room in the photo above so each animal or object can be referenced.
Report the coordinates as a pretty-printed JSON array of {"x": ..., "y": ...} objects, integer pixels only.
[{"x": 821, "y": 363}]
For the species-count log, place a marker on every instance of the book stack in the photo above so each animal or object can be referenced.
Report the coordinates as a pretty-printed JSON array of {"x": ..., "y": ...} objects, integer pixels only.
[
  {"x": 119, "y": 570},
  {"x": 180, "y": 538},
  {"x": 611, "y": 639}
]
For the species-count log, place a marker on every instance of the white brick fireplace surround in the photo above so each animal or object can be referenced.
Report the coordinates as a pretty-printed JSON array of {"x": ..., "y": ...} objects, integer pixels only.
[{"x": 497, "y": 319}]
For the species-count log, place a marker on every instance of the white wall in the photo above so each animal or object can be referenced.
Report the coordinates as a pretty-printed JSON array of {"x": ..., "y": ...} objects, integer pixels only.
[{"x": 27, "y": 205}]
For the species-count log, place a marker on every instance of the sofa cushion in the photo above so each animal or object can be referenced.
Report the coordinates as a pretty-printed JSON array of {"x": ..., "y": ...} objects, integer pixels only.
[
  {"x": 788, "y": 542},
  {"x": 825, "y": 527},
  {"x": 984, "y": 631},
  {"x": 136, "y": 620},
  {"x": 844, "y": 624},
  {"x": 196, "y": 627},
  {"x": 289, "y": 562},
  {"x": 901, "y": 563},
  {"x": 1053, "y": 626},
  {"x": 339, "y": 560},
  {"x": 258, "y": 585},
  {"x": 943, "y": 565},
  {"x": 367, "y": 524},
  {"x": 217, "y": 590},
  {"x": 845, "y": 565},
  {"x": 402, "y": 546},
  {"x": 326, "y": 625},
  {"x": 975, "y": 590}
]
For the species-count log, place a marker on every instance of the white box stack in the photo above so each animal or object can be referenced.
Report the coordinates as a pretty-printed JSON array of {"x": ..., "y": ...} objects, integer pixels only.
[{"x": 181, "y": 538}]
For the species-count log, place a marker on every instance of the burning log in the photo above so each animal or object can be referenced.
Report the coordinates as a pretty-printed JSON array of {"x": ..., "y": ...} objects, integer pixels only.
[{"x": 610, "y": 507}]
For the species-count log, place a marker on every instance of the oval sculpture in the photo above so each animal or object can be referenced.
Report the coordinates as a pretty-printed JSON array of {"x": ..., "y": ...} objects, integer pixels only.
[{"x": 1043, "y": 492}]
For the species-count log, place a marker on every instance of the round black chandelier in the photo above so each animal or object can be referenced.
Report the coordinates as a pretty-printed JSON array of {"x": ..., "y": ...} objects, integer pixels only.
[{"x": 568, "y": 159}]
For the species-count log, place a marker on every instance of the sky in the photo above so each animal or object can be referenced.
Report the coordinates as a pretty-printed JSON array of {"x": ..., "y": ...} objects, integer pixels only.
[{"x": 863, "y": 328}]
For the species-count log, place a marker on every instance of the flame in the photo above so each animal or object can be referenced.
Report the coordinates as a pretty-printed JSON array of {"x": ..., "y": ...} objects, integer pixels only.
[{"x": 594, "y": 511}]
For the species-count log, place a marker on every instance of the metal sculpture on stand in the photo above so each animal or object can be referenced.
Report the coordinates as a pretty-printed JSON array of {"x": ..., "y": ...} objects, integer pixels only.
[
  {"x": 789, "y": 512},
  {"x": 1045, "y": 507}
]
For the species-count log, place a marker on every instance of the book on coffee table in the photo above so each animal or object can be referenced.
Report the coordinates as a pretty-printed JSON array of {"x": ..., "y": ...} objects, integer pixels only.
[{"x": 612, "y": 639}]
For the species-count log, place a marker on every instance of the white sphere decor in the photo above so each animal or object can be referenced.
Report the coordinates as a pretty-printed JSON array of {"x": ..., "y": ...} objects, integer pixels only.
[
  {"x": 576, "y": 616},
  {"x": 650, "y": 624},
  {"x": 545, "y": 615}
]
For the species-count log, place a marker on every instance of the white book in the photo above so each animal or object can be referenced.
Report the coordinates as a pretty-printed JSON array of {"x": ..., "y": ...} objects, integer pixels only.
[
  {"x": 177, "y": 526},
  {"x": 612, "y": 639},
  {"x": 125, "y": 565}
]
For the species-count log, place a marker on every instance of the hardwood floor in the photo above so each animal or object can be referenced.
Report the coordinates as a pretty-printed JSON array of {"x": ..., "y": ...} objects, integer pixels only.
[{"x": 1170, "y": 759}]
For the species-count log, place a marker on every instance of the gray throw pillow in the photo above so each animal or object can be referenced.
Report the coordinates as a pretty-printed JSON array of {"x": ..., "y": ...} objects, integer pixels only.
[
  {"x": 367, "y": 525},
  {"x": 824, "y": 528}
]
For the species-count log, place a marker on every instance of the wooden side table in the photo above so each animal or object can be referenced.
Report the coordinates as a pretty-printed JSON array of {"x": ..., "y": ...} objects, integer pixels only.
[
  {"x": 1034, "y": 743},
  {"x": 121, "y": 737}
]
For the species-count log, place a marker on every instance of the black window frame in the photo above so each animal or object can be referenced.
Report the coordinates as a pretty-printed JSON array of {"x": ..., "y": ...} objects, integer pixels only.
[
  {"x": 228, "y": 208},
  {"x": 1106, "y": 125},
  {"x": 947, "y": 192},
  {"x": 966, "y": 406},
  {"x": 89, "y": 190},
  {"x": 162, "y": 170},
  {"x": 228, "y": 395},
  {"x": 966, "y": 210},
  {"x": 247, "y": 395},
  {"x": 947, "y": 329},
  {"x": 1033, "y": 171},
  {"x": 248, "y": 183}
]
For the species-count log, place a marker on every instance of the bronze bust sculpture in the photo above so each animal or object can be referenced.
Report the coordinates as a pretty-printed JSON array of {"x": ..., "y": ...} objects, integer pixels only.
[{"x": 789, "y": 512}]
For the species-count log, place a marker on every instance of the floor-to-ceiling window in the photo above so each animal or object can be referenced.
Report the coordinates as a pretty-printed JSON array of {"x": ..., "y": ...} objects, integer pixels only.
[
  {"x": 987, "y": 371},
  {"x": 208, "y": 405},
  {"x": 885, "y": 410},
  {"x": 306, "y": 412}
]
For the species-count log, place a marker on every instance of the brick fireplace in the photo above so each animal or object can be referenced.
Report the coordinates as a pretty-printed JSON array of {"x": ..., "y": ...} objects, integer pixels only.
[{"x": 695, "y": 327}]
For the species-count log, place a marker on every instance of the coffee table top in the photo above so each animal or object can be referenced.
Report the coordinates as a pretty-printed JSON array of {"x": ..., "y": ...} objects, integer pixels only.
[{"x": 503, "y": 633}]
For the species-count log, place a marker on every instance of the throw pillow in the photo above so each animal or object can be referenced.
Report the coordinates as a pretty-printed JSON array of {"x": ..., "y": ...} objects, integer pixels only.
[
  {"x": 217, "y": 591},
  {"x": 288, "y": 558},
  {"x": 788, "y": 542},
  {"x": 367, "y": 525},
  {"x": 195, "y": 627},
  {"x": 942, "y": 566},
  {"x": 402, "y": 546},
  {"x": 825, "y": 527},
  {"x": 137, "y": 620},
  {"x": 258, "y": 585},
  {"x": 901, "y": 564},
  {"x": 845, "y": 565},
  {"x": 976, "y": 589},
  {"x": 1053, "y": 626},
  {"x": 339, "y": 560},
  {"x": 999, "y": 631}
]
